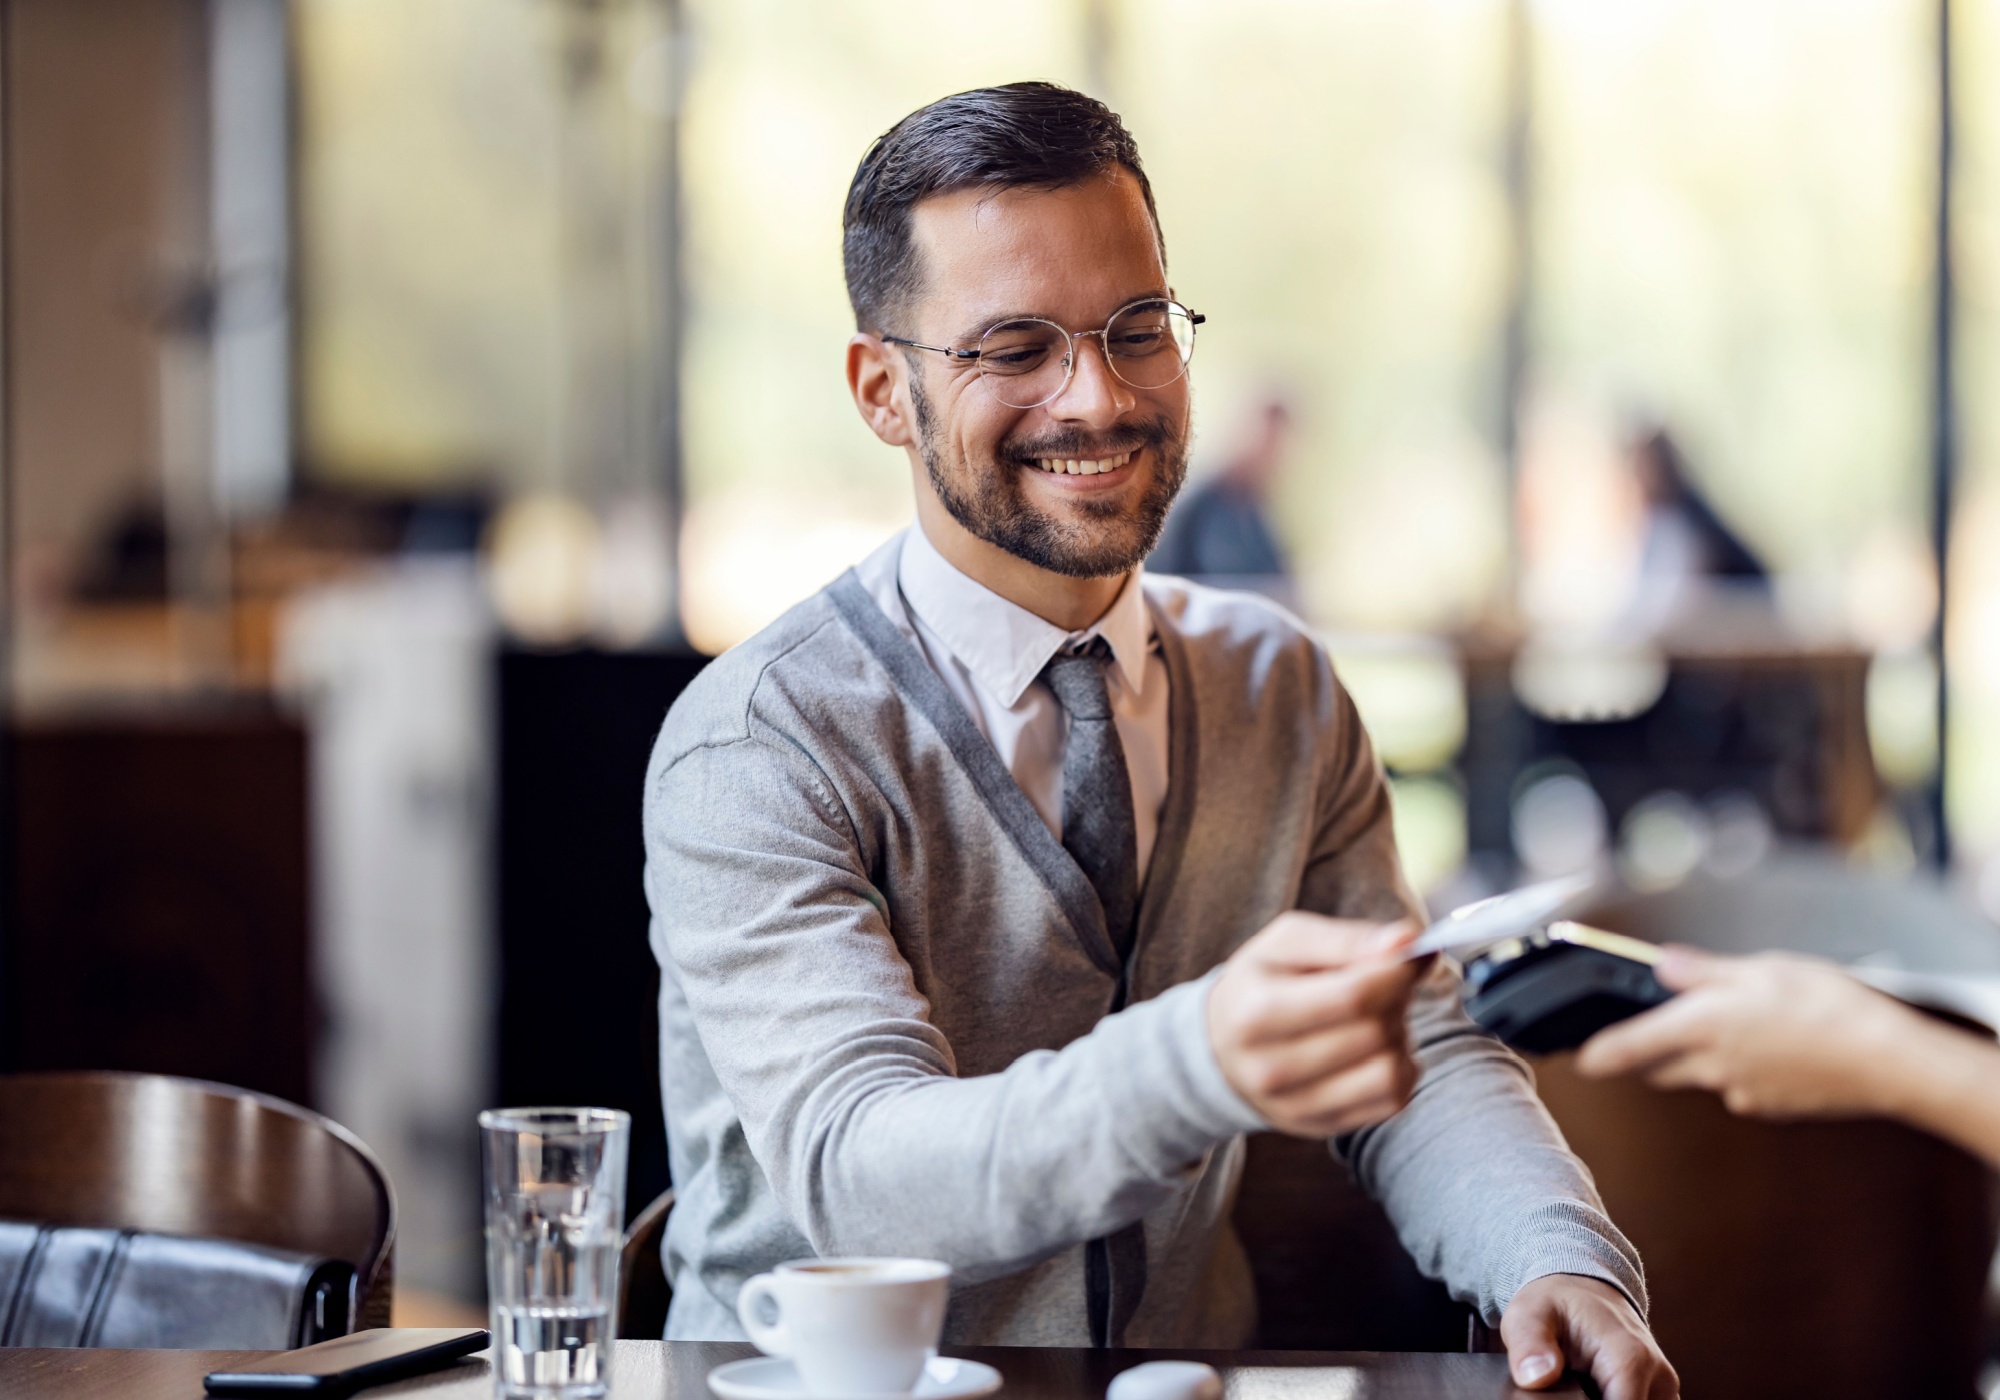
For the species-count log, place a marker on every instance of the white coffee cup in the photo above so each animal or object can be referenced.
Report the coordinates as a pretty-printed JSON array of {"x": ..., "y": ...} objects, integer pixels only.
[{"x": 850, "y": 1326}]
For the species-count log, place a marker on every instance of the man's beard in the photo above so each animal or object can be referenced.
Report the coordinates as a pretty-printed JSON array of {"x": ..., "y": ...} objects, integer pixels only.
[{"x": 993, "y": 506}]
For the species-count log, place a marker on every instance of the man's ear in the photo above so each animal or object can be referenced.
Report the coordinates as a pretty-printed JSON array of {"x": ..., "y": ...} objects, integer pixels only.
[{"x": 879, "y": 391}]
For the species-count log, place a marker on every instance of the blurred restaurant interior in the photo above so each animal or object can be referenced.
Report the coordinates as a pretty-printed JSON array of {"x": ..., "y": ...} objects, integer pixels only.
[{"x": 402, "y": 399}]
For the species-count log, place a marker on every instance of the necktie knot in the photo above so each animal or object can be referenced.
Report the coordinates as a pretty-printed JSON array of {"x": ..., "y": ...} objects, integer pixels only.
[{"x": 1078, "y": 679}]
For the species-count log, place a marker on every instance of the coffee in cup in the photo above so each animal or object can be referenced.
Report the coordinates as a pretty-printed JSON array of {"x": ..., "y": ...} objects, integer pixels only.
[{"x": 850, "y": 1326}]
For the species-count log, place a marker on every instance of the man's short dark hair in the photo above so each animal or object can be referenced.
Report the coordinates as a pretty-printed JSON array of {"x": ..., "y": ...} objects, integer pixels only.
[{"x": 1022, "y": 135}]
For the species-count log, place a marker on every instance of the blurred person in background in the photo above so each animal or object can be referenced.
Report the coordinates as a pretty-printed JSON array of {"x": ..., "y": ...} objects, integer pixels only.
[
  {"x": 1786, "y": 1037},
  {"x": 1685, "y": 542},
  {"x": 1220, "y": 529},
  {"x": 978, "y": 940}
]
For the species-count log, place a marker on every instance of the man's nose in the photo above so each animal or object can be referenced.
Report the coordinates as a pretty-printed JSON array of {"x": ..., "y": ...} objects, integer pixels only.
[{"x": 1094, "y": 396}]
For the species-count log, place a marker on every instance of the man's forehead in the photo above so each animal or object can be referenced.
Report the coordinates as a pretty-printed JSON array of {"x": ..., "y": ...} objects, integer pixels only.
[{"x": 1082, "y": 249}]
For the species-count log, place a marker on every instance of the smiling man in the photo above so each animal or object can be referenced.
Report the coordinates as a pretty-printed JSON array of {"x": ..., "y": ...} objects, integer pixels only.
[{"x": 999, "y": 890}]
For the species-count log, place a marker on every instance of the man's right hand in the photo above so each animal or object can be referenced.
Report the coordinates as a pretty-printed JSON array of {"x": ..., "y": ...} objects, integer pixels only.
[{"x": 1308, "y": 1022}]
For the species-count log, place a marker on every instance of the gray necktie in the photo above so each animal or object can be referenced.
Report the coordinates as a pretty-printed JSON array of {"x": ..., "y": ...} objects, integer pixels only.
[
  {"x": 1098, "y": 829},
  {"x": 1099, "y": 832}
]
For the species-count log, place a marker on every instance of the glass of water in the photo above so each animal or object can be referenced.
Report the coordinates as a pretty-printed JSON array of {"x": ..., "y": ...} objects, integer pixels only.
[{"x": 555, "y": 1217}]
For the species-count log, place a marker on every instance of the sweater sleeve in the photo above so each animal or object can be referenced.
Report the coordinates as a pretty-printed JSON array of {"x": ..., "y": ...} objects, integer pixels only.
[
  {"x": 1473, "y": 1173},
  {"x": 848, "y": 1095}
]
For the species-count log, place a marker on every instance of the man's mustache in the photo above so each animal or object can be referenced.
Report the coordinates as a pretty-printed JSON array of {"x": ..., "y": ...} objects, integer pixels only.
[{"x": 1070, "y": 444}]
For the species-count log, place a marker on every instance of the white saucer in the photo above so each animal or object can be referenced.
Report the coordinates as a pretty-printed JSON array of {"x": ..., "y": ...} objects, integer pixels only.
[{"x": 775, "y": 1378}]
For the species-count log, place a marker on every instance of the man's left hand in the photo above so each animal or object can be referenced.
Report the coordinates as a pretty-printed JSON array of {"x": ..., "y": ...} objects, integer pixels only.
[{"x": 1569, "y": 1322}]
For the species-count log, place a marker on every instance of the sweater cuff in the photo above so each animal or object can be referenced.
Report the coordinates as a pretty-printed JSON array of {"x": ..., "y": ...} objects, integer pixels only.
[
  {"x": 1210, "y": 1104},
  {"x": 1166, "y": 1099},
  {"x": 1567, "y": 1237}
]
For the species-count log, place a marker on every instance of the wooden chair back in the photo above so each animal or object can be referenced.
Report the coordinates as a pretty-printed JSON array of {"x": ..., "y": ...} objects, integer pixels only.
[
  {"x": 1825, "y": 1259},
  {"x": 185, "y": 1157},
  {"x": 644, "y": 1290}
]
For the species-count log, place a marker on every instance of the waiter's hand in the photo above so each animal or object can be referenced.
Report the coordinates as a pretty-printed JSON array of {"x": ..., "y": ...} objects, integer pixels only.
[
  {"x": 1776, "y": 1035},
  {"x": 1308, "y": 1022},
  {"x": 1568, "y": 1322}
]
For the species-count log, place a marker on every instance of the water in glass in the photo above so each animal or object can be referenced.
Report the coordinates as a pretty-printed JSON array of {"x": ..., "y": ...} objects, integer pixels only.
[
  {"x": 555, "y": 1206},
  {"x": 541, "y": 1350}
]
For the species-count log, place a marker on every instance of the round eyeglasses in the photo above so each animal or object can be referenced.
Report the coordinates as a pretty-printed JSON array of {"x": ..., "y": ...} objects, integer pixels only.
[{"x": 1028, "y": 361}]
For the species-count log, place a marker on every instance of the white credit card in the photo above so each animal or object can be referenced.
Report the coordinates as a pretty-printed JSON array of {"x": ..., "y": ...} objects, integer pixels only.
[{"x": 1474, "y": 926}]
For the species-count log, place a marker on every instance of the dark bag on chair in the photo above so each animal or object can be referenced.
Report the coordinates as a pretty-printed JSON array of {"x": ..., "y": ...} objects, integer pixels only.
[{"x": 73, "y": 1286}]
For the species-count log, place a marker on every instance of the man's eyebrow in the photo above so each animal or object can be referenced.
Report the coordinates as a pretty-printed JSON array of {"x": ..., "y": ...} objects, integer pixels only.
[{"x": 971, "y": 332}]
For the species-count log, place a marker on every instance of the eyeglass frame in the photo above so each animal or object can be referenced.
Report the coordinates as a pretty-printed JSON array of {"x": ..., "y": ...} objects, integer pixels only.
[{"x": 1071, "y": 337}]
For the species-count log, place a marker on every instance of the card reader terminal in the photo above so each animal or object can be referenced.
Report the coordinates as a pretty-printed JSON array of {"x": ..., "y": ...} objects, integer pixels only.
[{"x": 1555, "y": 988}]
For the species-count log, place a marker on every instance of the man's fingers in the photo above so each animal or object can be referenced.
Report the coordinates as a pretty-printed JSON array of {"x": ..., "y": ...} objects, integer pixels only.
[
  {"x": 1591, "y": 1326},
  {"x": 1286, "y": 1007},
  {"x": 1302, "y": 942},
  {"x": 1624, "y": 1370},
  {"x": 1371, "y": 1091},
  {"x": 1309, "y": 1021},
  {"x": 1624, "y": 1365},
  {"x": 1534, "y": 1347},
  {"x": 1282, "y": 1069},
  {"x": 1647, "y": 1039},
  {"x": 1352, "y": 1120}
]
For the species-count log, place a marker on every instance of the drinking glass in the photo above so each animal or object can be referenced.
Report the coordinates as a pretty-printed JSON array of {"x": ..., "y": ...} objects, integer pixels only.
[{"x": 555, "y": 1215}]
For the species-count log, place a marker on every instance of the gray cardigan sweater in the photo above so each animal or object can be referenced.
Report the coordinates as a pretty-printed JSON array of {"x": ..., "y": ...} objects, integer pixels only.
[{"x": 891, "y": 1021}]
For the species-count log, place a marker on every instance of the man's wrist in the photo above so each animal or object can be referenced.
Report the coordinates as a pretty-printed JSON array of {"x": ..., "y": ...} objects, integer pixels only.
[
  {"x": 1225, "y": 1108},
  {"x": 1611, "y": 1288}
]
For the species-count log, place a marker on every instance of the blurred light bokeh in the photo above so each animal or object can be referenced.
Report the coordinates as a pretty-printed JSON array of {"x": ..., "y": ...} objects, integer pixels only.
[
  {"x": 1727, "y": 229},
  {"x": 584, "y": 257}
]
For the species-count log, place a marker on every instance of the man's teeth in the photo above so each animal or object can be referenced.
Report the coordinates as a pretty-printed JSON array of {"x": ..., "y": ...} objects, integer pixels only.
[{"x": 1076, "y": 466}]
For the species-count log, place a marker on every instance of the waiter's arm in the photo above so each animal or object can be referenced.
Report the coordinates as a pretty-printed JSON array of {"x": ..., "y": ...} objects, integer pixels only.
[{"x": 1782, "y": 1036}]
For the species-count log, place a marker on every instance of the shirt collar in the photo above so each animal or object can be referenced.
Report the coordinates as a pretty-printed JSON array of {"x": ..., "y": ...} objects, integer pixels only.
[{"x": 1002, "y": 644}]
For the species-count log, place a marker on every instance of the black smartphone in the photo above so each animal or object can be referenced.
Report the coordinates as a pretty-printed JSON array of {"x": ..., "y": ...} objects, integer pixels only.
[{"x": 346, "y": 1364}]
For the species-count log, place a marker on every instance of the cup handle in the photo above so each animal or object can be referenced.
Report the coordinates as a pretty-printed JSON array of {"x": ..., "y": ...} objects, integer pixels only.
[{"x": 772, "y": 1340}]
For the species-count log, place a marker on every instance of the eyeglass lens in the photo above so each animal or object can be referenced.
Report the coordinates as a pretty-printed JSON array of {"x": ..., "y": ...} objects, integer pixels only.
[{"x": 1029, "y": 361}]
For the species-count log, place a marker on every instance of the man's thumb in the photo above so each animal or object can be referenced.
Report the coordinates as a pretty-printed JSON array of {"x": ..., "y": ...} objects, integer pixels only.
[
  {"x": 1534, "y": 1354},
  {"x": 1392, "y": 939},
  {"x": 1302, "y": 942}
]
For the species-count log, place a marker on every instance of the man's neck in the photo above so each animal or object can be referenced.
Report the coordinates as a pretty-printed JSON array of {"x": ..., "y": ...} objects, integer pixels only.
[{"x": 1069, "y": 603}]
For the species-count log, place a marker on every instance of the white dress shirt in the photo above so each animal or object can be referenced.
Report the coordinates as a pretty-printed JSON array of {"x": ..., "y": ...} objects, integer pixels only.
[{"x": 990, "y": 654}]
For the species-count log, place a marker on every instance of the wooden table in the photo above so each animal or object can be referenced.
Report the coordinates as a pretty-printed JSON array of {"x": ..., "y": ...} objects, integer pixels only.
[{"x": 677, "y": 1371}]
